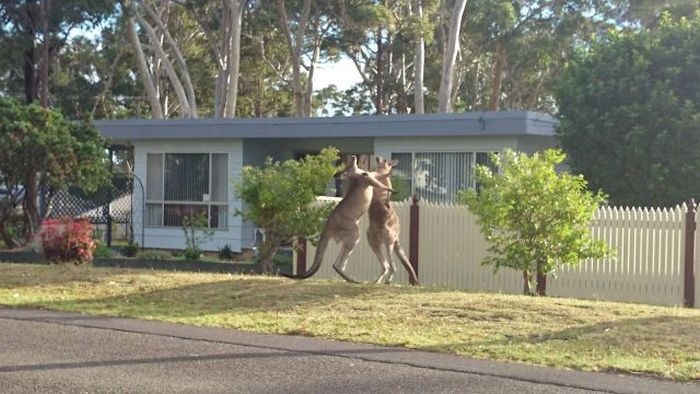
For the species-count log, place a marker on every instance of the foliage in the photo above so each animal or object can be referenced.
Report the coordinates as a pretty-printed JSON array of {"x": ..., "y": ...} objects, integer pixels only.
[
  {"x": 42, "y": 150},
  {"x": 279, "y": 199},
  {"x": 197, "y": 232},
  {"x": 102, "y": 251},
  {"x": 131, "y": 249},
  {"x": 534, "y": 218},
  {"x": 226, "y": 253},
  {"x": 67, "y": 240},
  {"x": 630, "y": 114}
]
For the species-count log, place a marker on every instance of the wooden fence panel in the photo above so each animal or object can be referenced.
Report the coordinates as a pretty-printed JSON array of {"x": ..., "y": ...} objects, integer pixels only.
[
  {"x": 647, "y": 266},
  {"x": 451, "y": 249},
  {"x": 648, "y": 261}
]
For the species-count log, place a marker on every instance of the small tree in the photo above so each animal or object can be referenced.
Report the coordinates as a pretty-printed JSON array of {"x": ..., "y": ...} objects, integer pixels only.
[
  {"x": 279, "y": 199},
  {"x": 534, "y": 218},
  {"x": 197, "y": 232},
  {"x": 39, "y": 149}
]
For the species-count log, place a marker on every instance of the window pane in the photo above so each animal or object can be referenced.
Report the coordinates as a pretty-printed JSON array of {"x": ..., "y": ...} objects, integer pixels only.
[
  {"x": 219, "y": 216},
  {"x": 438, "y": 176},
  {"x": 219, "y": 177},
  {"x": 154, "y": 214},
  {"x": 186, "y": 176},
  {"x": 154, "y": 176},
  {"x": 174, "y": 213},
  {"x": 402, "y": 176}
]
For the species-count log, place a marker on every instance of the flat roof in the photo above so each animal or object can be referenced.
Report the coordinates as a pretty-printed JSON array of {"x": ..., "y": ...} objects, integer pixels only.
[{"x": 493, "y": 123}]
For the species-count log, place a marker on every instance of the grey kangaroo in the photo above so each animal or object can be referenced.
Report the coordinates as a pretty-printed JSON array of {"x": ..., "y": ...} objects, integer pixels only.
[
  {"x": 384, "y": 227},
  {"x": 343, "y": 223}
]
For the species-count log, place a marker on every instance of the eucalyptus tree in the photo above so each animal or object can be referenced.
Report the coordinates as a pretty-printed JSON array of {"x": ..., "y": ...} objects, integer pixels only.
[{"x": 33, "y": 34}]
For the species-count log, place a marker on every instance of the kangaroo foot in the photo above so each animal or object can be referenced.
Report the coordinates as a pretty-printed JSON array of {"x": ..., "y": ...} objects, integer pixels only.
[{"x": 345, "y": 276}]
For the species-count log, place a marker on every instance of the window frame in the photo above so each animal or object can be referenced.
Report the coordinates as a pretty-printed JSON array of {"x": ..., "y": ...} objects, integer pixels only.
[{"x": 209, "y": 204}]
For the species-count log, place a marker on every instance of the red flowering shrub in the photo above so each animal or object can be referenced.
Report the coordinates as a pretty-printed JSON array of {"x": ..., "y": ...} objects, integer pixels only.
[{"x": 67, "y": 240}]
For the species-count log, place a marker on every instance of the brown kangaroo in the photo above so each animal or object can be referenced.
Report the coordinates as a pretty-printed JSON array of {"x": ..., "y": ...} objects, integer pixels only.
[
  {"x": 343, "y": 223},
  {"x": 384, "y": 227}
]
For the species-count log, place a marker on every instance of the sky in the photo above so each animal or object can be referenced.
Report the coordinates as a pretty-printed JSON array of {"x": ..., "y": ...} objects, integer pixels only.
[{"x": 343, "y": 74}]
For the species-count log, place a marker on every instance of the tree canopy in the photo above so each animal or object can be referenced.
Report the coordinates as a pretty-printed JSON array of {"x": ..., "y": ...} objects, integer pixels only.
[
  {"x": 630, "y": 114},
  {"x": 41, "y": 150},
  {"x": 251, "y": 58}
]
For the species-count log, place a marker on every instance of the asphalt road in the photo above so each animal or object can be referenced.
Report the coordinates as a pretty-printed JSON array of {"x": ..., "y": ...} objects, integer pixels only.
[{"x": 42, "y": 351}]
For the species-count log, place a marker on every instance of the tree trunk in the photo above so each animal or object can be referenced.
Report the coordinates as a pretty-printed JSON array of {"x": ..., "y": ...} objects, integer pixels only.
[
  {"x": 45, "y": 52},
  {"x": 418, "y": 66},
  {"x": 527, "y": 282},
  {"x": 185, "y": 108},
  {"x": 497, "y": 82},
  {"x": 30, "y": 91},
  {"x": 379, "y": 99},
  {"x": 147, "y": 81},
  {"x": 179, "y": 59},
  {"x": 29, "y": 203},
  {"x": 541, "y": 288},
  {"x": 449, "y": 57},
  {"x": 230, "y": 60},
  {"x": 268, "y": 249},
  {"x": 295, "y": 46}
]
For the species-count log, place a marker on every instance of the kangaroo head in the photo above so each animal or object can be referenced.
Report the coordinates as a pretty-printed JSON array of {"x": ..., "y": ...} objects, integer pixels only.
[
  {"x": 361, "y": 177},
  {"x": 384, "y": 166}
]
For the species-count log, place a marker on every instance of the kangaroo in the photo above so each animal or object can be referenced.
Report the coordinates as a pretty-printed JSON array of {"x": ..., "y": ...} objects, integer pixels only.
[
  {"x": 384, "y": 227},
  {"x": 343, "y": 223}
]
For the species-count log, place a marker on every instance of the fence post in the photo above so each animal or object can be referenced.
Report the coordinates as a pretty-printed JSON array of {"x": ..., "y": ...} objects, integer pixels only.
[
  {"x": 689, "y": 258},
  {"x": 413, "y": 234},
  {"x": 301, "y": 256}
]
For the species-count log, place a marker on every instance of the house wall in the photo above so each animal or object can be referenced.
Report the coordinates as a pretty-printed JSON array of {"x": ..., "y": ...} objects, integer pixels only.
[
  {"x": 173, "y": 238},
  {"x": 532, "y": 143}
]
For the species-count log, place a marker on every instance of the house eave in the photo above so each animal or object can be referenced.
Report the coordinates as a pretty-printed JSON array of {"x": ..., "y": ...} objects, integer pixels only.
[{"x": 502, "y": 123}]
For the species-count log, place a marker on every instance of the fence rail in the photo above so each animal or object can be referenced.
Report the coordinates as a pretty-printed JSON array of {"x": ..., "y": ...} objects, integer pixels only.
[{"x": 648, "y": 264}]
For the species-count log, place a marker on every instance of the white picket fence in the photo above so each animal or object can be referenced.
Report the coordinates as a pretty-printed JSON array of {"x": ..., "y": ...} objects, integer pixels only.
[{"x": 647, "y": 266}]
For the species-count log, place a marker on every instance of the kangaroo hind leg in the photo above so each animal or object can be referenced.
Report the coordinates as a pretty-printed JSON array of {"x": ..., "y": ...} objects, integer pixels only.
[
  {"x": 376, "y": 246},
  {"x": 342, "y": 260},
  {"x": 392, "y": 265}
]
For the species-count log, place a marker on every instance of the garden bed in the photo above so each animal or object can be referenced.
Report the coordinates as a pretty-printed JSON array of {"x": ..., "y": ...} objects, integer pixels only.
[{"x": 243, "y": 267}]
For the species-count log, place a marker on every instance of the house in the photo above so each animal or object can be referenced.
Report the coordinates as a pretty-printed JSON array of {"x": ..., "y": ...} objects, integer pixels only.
[{"x": 187, "y": 165}]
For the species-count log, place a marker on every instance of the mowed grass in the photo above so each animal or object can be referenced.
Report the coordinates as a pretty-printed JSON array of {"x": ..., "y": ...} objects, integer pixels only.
[{"x": 564, "y": 333}]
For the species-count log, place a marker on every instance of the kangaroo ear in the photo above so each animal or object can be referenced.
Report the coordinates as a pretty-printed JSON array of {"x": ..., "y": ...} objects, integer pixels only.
[{"x": 393, "y": 163}]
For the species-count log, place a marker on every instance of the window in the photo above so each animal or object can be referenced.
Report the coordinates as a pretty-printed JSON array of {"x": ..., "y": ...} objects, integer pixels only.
[
  {"x": 437, "y": 176},
  {"x": 181, "y": 184}
]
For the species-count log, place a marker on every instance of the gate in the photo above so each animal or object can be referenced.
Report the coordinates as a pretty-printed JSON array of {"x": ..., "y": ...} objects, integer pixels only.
[{"x": 110, "y": 208}]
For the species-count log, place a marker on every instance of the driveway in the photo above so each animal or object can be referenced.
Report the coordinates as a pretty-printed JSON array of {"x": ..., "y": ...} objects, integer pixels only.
[{"x": 43, "y": 351}]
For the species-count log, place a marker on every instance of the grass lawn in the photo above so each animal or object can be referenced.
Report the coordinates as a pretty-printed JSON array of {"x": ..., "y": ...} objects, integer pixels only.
[{"x": 585, "y": 335}]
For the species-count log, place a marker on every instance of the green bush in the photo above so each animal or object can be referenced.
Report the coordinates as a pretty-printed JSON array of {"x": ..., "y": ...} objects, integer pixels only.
[
  {"x": 131, "y": 249},
  {"x": 226, "y": 253},
  {"x": 192, "y": 254},
  {"x": 102, "y": 251}
]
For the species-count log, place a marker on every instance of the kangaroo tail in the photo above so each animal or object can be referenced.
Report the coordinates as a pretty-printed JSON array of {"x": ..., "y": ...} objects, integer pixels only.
[
  {"x": 413, "y": 278},
  {"x": 318, "y": 258}
]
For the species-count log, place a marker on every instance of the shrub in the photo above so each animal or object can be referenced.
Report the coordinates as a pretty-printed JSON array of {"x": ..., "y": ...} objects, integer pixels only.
[
  {"x": 197, "y": 232},
  {"x": 131, "y": 249},
  {"x": 226, "y": 253},
  {"x": 67, "y": 240},
  {"x": 102, "y": 251},
  {"x": 192, "y": 254}
]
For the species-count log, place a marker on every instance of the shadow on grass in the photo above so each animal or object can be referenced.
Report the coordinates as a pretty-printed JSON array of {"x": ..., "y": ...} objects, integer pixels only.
[{"x": 245, "y": 294}]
